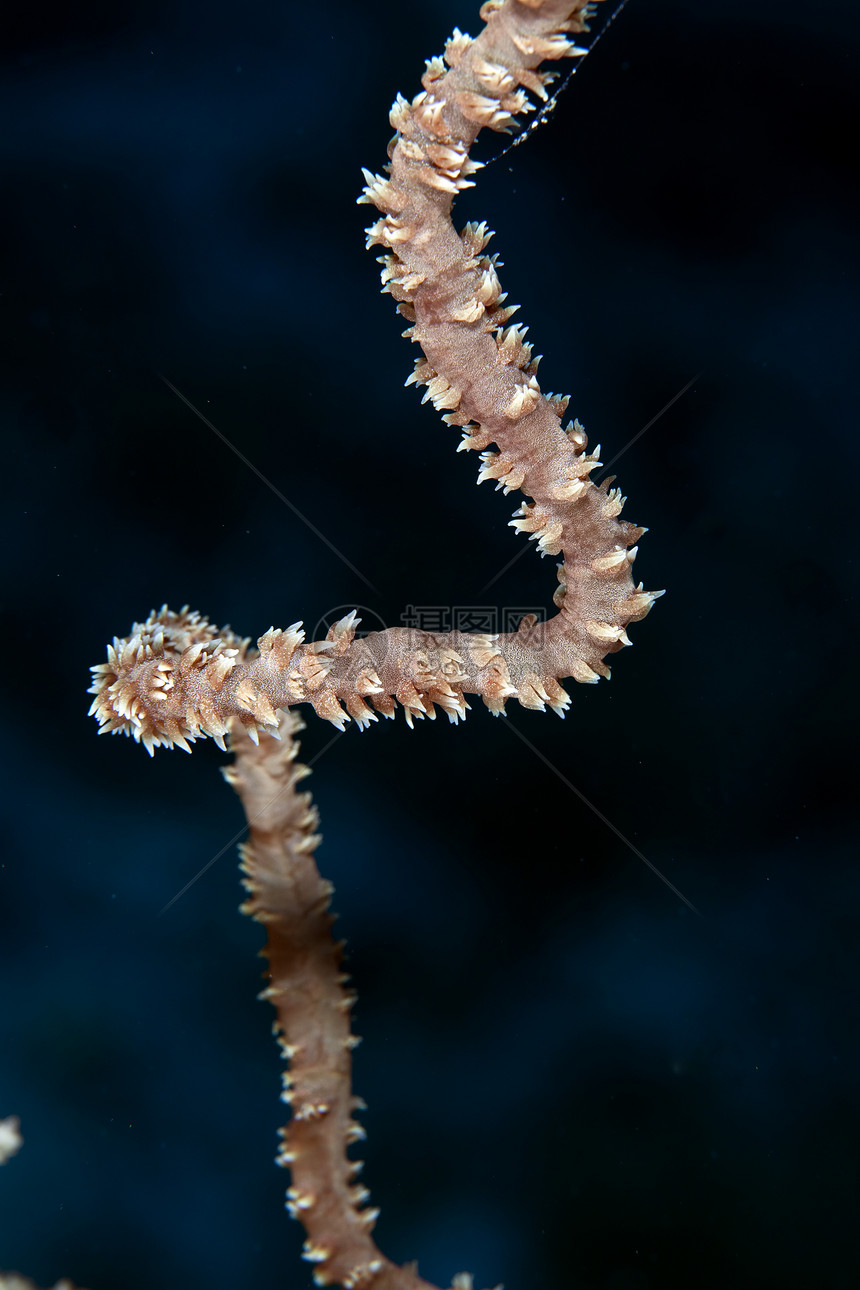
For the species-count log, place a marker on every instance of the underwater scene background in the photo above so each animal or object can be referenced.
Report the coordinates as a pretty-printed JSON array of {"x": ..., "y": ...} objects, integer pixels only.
[{"x": 573, "y": 1079}]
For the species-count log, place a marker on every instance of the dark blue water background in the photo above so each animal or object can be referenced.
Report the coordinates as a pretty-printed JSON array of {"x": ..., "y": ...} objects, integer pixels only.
[{"x": 572, "y": 1080}]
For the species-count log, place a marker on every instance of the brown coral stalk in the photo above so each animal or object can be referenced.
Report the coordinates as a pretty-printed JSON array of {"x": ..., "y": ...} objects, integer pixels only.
[
  {"x": 306, "y": 986},
  {"x": 175, "y": 678}
]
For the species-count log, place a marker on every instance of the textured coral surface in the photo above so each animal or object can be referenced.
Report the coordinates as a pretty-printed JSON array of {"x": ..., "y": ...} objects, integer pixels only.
[{"x": 570, "y": 1079}]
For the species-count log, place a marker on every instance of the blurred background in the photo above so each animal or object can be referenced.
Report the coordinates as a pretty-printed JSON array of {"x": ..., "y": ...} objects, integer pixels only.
[{"x": 573, "y": 1078}]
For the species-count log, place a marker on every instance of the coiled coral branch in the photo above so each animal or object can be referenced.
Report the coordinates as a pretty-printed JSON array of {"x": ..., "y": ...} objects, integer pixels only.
[{"x": 176, "y": 678}]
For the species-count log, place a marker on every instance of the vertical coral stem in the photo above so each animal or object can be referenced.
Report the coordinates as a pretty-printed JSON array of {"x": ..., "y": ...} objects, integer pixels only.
[{"x": 305, "y": 983}]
